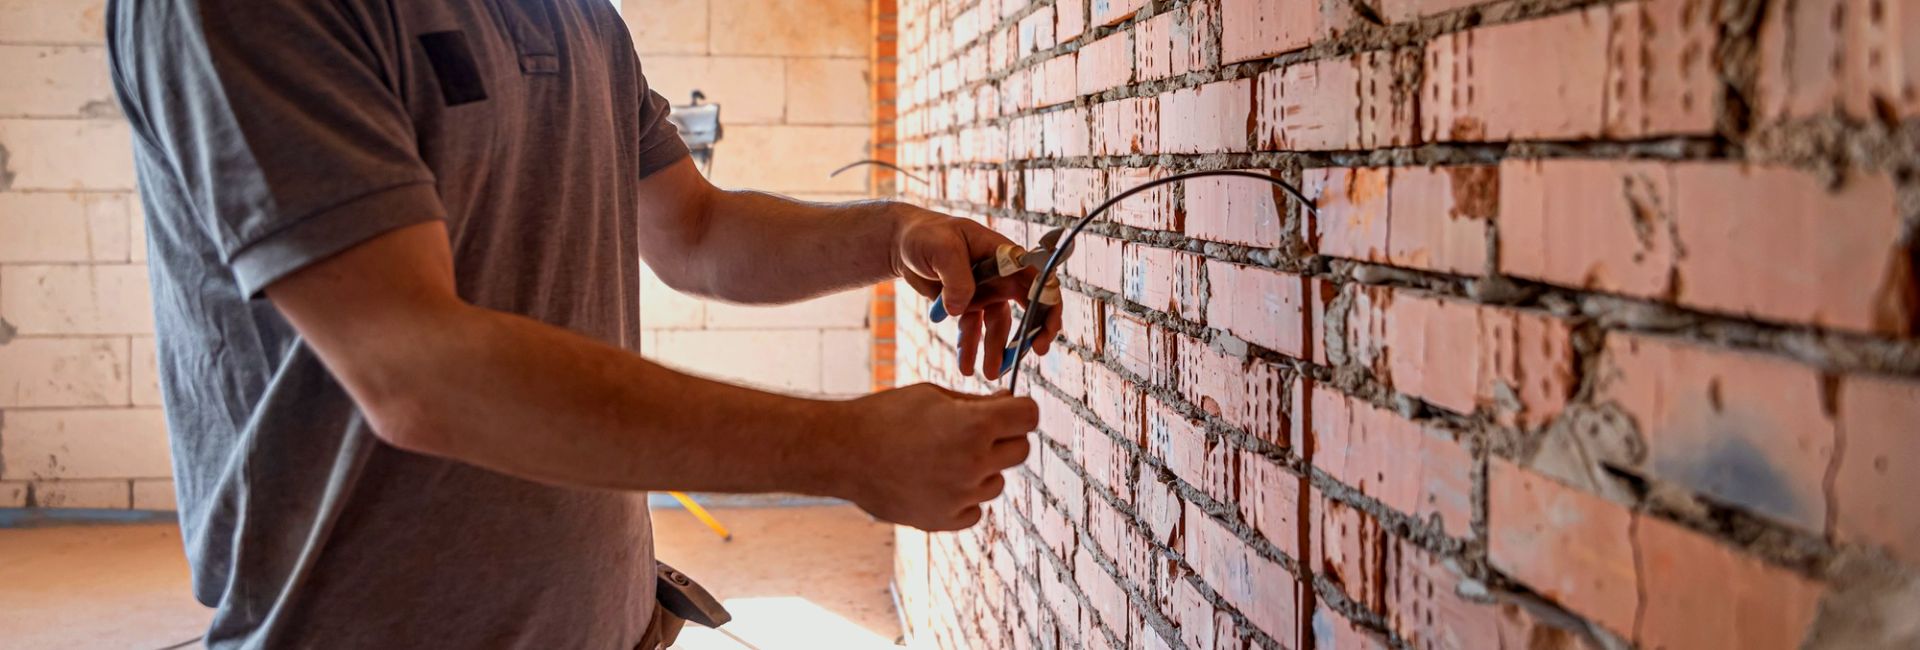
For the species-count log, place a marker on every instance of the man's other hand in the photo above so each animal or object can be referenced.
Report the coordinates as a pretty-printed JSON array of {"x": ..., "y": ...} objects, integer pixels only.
[
  {"x": 927, "y": 457},
  {"x": 935, "y": 255}
]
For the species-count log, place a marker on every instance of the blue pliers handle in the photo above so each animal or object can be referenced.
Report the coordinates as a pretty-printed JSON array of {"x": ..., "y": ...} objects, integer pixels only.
[{"x": 1006, "y": 260}]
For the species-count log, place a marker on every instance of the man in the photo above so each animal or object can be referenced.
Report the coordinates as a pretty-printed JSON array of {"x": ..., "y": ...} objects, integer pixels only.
[{"x": 394, "y": 254}]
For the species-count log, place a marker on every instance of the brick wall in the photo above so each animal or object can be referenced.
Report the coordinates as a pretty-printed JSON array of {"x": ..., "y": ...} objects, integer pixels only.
[
  {"x": 791, "y": 77},
  {"x": 80, "y": 423},
  {"x": 1602, "y": 336}
]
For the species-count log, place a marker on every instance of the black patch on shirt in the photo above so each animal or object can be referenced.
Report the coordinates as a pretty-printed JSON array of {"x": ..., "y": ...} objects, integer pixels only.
[{"x": 453, "y": 64}]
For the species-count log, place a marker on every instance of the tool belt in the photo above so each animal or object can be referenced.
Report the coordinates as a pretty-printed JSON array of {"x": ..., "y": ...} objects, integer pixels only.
[{"x": 680, "y": 600}]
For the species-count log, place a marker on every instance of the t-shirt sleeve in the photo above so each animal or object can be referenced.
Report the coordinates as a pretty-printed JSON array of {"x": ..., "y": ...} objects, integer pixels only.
[
  {"x": 660, "y": 143},
  {"x": 281, "y": 122}
]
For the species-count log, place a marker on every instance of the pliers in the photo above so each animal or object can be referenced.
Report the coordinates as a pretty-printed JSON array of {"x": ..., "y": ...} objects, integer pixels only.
[{"x": 1008, "y": 260}]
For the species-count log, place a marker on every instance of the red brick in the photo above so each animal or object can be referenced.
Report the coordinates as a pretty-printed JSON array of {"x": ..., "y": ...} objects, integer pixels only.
[
  {"x": 1420, "y": 217},
  {"x": 1108, "y": 12},
  {"x": 1258, "y": 305},
  {"x": 1116, "y": 401},
  {"x": 1066, "y": 486},
  {"x": 1425, "y": 606},
  {"x": 1189, "y": 286},
  {"x": 1107, "y": 464},
  {"x": 1313, "y": 106},
  {"x": 1588, "y": 224},
  {"x": 1857, "y": 59},
  {"x": 1878, "y": 466},
  {"x": 1057, "y": 419},
  {"x": 1747, "y": 429},
  {"x": 1259, "y": 588},
  {"x": 1126, "y": 127},
  {"x": 1153, "y": 46},
  {"x": 1662, "y": 79},
  {"x": 1701, "y": 594},
  {"x": 1148, "y": 277},
  {"x": 1269, "y": 501},
  {"x": 1235, "y": 210},
  {"x": 1572, "y": 547},
  {"x": 1106, "y": 64},
  {"x": 1067, "y": 134},
  {"x": 1056, "y": 530},
  {"x": 1789, "y": 270},
  {"x": 1212, "y": 118},
  {"x": 1350, "y": 551},
  {"x": 1061, "y": 601},
  {"x": 1412, "y": 468},
  {"x": 1037, "y": 190},
  {"x": 1158, "y": 506},
  {"x": 1351, "y": 206},
  {"x": 1335, "y": 632},
  {"x": 1152, "y": 209},
  {"x": 1099, "y": 261},
  {"x": 1037, "y": 31},
  {"x": 1250, "y": 394},
  {"x": 1183, "y": 446},
  {"x": 1072, "y": 20},
  {"x": 1255, "y": 29},
  {"x": 1498, "y": 83},
  {"x": 1141, "y": 348},
  {"x": 1396, "y": 11},
  {"x": 1462, "y": 356},
  {"x": 1075, "y": 191},
  {"x": 1104, "y": 595},
  {"x": 1055, "y": 81},
  {"x": 1081, "y": 320},
  {"x": 1201, "y": 624}
]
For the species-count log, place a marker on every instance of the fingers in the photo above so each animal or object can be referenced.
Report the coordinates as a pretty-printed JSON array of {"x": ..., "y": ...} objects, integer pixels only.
[
  {"x": 970, "y": 326},
  {"x": 952, "y": 265},
  {"x": 1009, "y": 452},
  {"x": 999, "y": 321},
  {"x": 1048, "y": 332},
  {"x": 991, "y": 489},
  {"x": 966, "y": 519},
  {"x": 1009, "y": 416}
]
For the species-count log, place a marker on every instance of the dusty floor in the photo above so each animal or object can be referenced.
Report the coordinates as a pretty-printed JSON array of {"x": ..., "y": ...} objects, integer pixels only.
[{"x": 806, "y": 577}]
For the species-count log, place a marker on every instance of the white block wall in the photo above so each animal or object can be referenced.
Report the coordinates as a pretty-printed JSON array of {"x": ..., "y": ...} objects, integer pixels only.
[
  {"x": 80, "y": 418},
  {"x": 80, "y": 423},
  {"x": 792, "y": 83}
]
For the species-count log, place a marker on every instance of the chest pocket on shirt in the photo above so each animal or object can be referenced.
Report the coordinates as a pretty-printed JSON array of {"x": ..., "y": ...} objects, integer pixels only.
[{"x": 531, "y": 24}]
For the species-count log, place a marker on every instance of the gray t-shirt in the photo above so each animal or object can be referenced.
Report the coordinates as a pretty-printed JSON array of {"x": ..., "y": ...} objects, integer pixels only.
[{"x": 271, "y": 134}]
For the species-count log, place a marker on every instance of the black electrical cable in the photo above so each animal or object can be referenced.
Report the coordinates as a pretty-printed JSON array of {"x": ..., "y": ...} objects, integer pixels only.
[
  {"x": 1066, "y": 244},
  {"x": 877, "y": 163}
]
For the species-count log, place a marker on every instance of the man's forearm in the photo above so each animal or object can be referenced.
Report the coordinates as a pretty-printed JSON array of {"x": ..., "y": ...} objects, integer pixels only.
[
  {"x": 530, "y": 400},
  {"x": 760, "y": 248}
]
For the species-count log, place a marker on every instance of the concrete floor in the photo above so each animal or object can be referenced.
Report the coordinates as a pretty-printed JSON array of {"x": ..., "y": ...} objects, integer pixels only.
[{"x": 801, "y": 577}]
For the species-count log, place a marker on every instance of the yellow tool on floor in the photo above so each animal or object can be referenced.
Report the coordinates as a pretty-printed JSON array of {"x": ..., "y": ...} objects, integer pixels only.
[{"x": 702, "y": 514}]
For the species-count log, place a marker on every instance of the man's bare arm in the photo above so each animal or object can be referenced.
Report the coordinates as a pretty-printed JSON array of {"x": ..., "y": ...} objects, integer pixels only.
[
  {"x": 438, "y": 376},
  {"x": 759, "y": 248}
]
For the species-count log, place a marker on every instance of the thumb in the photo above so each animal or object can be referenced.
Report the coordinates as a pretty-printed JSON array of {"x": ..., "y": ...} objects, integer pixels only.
[{"x": 951, "y": 265}]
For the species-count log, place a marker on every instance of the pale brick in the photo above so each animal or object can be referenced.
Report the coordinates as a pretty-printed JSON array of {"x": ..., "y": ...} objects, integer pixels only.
[
  {"x": 84, "y": 444},
  {"x": 55, "y": 81},
  {"x": 64, "y": 227},
  {"x": 155, "y": 495},
  {"x": 789, "y": 158},
  {"x": 136, "y": 230},
  {"x": 146, "y": 372},
  {"x": 786, "y": 360},
  {"x": 63, "y": 372},
  {"x": 65, "y": 299},
  {"x": 13, "y": 494},
  {"x": 664, "y": 308},
  {"x": 845, "y": 366},
  {"x": 749, "y": 90},
  {"x": 114, "y": 495},
  {"x": 68, "y": 154},
  {"x": 828, "y": 91},
  {"x": 1235, "y": 210},
  {"x": 790, "y": 27},
  {"x": 667, "y": 27},
  {"x": 53, "y": 21},
  {"x": 846, "y": 309}
]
